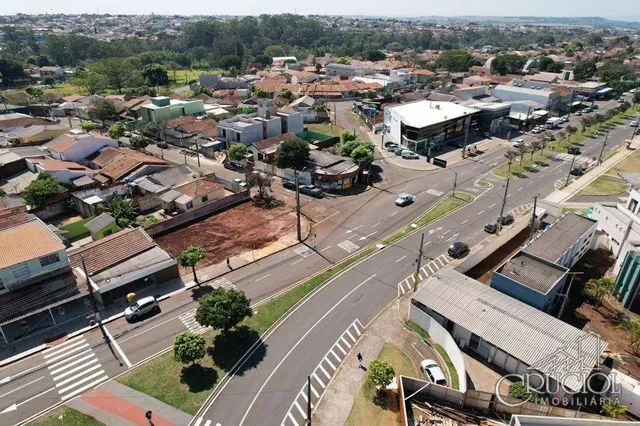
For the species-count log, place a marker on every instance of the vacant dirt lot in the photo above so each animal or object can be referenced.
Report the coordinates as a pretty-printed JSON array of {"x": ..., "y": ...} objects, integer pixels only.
[{"x": 239, "y": 229}]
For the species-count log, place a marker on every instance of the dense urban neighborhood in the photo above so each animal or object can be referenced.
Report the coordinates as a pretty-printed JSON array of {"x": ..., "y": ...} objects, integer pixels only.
[{"x": 336, "y": 220}]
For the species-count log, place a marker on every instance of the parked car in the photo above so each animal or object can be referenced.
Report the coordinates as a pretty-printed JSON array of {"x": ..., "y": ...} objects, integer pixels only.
[
  {"x": 404, "y": 199},
  {"x": 517, "y": 143},
  {"x": 507, "y": 219},
  {"x": 162, "y": 145},
  {"x": 389, "y": 143},
  {"x": 398, "y": 150},
  {"x": 574, "y": 150},
  {"x": 491, "y": 227},
  {"x": 537, "y": 130},
  {"x": 142, "y": 307},
  {"x": 587, "y": 110},
  {"x": 127, "y": 134},
  {"x": 577, "y": 113},
  {"x": 311, "y": 190},
  {"x": 634, "y": 123},
  {"x": 564, "y": 118},
  {"x": 289, "y": 184},
  {"x": 409, "y": 155},
  {"x": 432, "y": 372},
  {"x": 458, "y": 249},
  {"x": 235, "y": 166},
  {"x": 392, "y": 147},
  {"x": 578, "y": 170}
]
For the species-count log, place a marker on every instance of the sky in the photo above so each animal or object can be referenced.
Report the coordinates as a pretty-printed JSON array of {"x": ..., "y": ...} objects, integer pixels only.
[{"x": 603, "y": 8}]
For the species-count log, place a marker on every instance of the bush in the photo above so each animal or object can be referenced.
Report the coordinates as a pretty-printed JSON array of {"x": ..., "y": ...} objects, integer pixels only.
[
  {"x": 41, "y": 189},
  {"x": 188, "y": 347}
]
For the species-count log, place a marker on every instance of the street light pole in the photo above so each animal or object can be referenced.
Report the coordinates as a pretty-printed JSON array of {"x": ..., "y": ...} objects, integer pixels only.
[
  {"x": 504, "y": 203},
  {"x": 604, "y": 143},
  {"x": 416, "y": 276},
  {"x": 455, "y": 182},
  {"x": 295, "y": 173},
  {"x": 570, "y": 168},
  {"x": 533, "y": 216},
  {"x": 309, "y": 400}
]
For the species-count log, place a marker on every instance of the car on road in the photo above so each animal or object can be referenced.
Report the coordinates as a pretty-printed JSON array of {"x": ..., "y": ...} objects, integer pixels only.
[
  {"x": 127, "y": 134},
  {"x": 391, "y": 147},
  {"x": 312, "y": 191},
  {"x": 235, "y": 166},
  {"x": 587, "y": 110},
  {"x": 409, "y": 155},
  {"x": 398, "y": 150},
  {"x": 404, "y": 199},
  {"x": 491, "y": 227},
  {"x": 142, "y": 307},
  {"x": 537, "y": 130},
  {"x": 564, "y": 118},
  {"x": 574, "y": 150},
  {"x": 577, "y": 113},
  {"x": 507, "y": 219},
  {"x": 289, "y": 184},
  {"x": 162, "y": 145},
  {"x": 517, "y": 143},
  {"x": 578, "y": 169},
  {"x": 389, "y": 143},
  {"x": 458, "y": 249},
  {"x": 634, "y": 123},
  {"x": 432, "y": 372}
]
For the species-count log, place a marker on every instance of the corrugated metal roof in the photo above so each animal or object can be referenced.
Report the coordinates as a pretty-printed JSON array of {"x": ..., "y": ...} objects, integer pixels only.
[
  {"x": 549, "y": 345},
  {"x": 559, "y": 237}
]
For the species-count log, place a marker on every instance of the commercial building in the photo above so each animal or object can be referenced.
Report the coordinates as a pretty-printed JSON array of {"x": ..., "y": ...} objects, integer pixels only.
[
  {"x": 628, "y": 280},
  {"x": 505, "y": 332},
  {"x": 343, "y": 70},
  {"x": 425, "y": 126},
  {"x": 550, "y": 98},
  {"x": 163, "y": 108}
]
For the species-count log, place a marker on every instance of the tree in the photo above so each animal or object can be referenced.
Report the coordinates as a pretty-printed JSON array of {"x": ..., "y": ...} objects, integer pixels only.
[
  {"x": 101, "y": 110},
  {"x": 223, "y": 309},
  {"x": 237, "y": 151},
  {"x": 511, "y": 155},
  {"x": 261, "y": 93},
  {"x": 87, "y": 126},
  {"x": 633, "y": 326},
  {"x": 362, "y": 154},
  {"x": 347, "y": 136},
  {"x": 455, "y": 60},
  {"x": 41, "y": 189},
  {"x": 116, "y": 131},
  {"x": 10, "y": 70},
  {"x": 34, "y": 93},
  {"x": 536, "y": 145},
  {"x": 190, "y": 257},
  {"x": 544, "y": 63},
  {"x": 263, "y": 182},
  {"x": 155, "y": 75},
  {"x": 613, "y": 408},
  {"x": 231, "y": 61},
  {"x": 292, "y": 154},
  {"x": 49, "y": 81},
  {"x": 380, "y": 374},
  {"x": 188, "y": 347},
  {"x": 598, "y": 288},
  {"x": 287, "y": 94},
  {"x": 507, "y": 64},
  {"x": 522, "y": 150},
  {"x": 318, "y": 68},
  {"x": 139, "y": 142},
  {"x": 347, "y": 146},
  {"x": 123, "y": 211},
  {"x": 375, "y": 55},
  {"x": 91, "y": 81}
]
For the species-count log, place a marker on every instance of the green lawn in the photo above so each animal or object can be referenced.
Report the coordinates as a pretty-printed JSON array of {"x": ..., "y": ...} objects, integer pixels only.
[
  {"x": 111, "y": 229},
  {"x": 371, "y": 409},
  {"x": 76, "y": 230},
  {"x": 455, "y": 382},
  {"x": 605, "y": 185},
  {"x": 417, "y": 329},
  {"x": 70, "y": 417},
  {"x": 444, "y": 206},
  {"x": 326, "y": 128},
  {"x": 183, "y": 77},
  {"x": 163, "y": 378},
  {"x": 631, "y": 164}
]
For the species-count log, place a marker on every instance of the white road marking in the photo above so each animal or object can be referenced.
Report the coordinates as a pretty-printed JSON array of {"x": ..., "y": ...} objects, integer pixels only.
[
  {"x": 324, "y": 371},
  {"x": 464, "y": 221},
  {"x": 446, "y": 232},
  {"x": 367, "y": 236},
  {"x": 300, "y": 410},
  {"x": 335, "y": 355},
  {"x": 66, "y": 348},
  {"x": 293, "y": 420},
  {"x": 403, "y": 257},
  {"x": 330, "y": 363},
  {"x": 118, "y": 348},
  {"x": 297, "y": 261},
  {"x": 198, "y": 421},
  {"x": 79, "y": 382},
  {"x": 315, "y": 376},
  {"x": 353, "y": 229},
  {"x": 393, "y": 214},
  {"x": 53, "y": 369},
  {"x": 373, "y": 226},
  {"x": 66, "y": 354},
  {"x": 326, "y": 248},
  {"x": 492, "y": 205},
  {"x": 340, "y": 348},
  {"x": 426, "y": 244},
  {"x": 262, "y": 278},
  {"x": 350, "y": 336},
  {"x": 21, "y": 387}
]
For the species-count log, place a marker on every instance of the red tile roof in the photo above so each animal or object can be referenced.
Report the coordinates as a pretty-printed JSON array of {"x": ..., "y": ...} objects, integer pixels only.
[{"x": 199, "y": 187}]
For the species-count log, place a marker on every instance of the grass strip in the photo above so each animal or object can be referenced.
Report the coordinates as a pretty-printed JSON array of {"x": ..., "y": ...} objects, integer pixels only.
[
  {"x": 65, "y": 416},
  {"x": 417, "y": 329},
  {"x": 455, "y": 382}
]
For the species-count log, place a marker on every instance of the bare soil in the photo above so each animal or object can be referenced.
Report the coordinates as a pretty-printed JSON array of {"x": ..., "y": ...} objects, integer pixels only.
[{"x": 237, "y": 230}]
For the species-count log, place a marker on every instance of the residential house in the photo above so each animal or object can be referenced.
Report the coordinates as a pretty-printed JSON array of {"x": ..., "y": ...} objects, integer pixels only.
[
  {"x": 62, "y": 171},
  {"x": 17, "y": 120},
  {"x": 545, "y": 77},
  {"x": 265, "y": 150},
  {"x": 10, "y": 163},
  {"x": 148, "y": 189},
  {"x": 162, "y": 108},
  {"x": 36, "y": 134},
  {"x": 132, "y": 106},
  {"x": 124, "y": 262},
  {"x": 188, "y": 130},
  {"x": 192, "y": 195},
  {"x": 120, "y": 164},
  {"x": 77, "y": 147},
  {"x": 305, "y": 105}
]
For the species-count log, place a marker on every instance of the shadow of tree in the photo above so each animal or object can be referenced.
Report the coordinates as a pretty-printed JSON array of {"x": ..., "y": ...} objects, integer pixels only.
[
  {"x": 228, "y": 348},
  {"x": 387, "y": 400},
  {"x": 198, "y": 292},
  {"x": 198, "y": 377}
]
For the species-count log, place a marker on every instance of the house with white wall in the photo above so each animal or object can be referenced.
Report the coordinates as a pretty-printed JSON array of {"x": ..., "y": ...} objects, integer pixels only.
[
  {"x": 77, "y": 147},
  {"x": 62, "y": 171}
]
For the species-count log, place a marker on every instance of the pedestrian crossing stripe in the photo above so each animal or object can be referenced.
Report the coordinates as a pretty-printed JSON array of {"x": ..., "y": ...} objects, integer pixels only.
[
  {"x": 303, "y": 251},
  {"x": 434, "y": 192},
  {"x": 296, "y": 415},
  {"x": 348, "y": 246},
  {"x": 189, "y": 321}
]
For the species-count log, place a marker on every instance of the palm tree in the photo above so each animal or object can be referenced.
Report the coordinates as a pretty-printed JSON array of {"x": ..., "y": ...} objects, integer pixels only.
[
  {"x": 599, "y": 288},
  {"x": 535, "y": 146},
  {"x": 522, "y": 150},
  {"x": 511, "y": 155}
]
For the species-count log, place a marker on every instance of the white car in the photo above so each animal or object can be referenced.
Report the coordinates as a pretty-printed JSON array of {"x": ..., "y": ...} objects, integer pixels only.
[
  {"x": 634, "y": 123},
  {"x": 432, "y": 372},
  {"x": 141, "y": 307},
  {"x": 517, "y": 143},
  {"x": 408, "y": 155},
  {"x": 404, "y": 199}
]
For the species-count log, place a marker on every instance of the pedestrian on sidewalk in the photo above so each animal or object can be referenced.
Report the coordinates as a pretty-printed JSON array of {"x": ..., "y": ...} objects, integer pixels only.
[
  {"x": 359, "y": 360},
  {"x": 229, "y": 264}
]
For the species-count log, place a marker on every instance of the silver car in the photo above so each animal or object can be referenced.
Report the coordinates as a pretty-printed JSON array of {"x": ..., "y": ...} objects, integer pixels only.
[{"x": 141, "y": 307}]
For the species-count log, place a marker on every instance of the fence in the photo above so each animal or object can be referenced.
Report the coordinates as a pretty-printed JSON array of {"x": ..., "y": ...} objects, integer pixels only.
[{"x": 198, "y": 213}]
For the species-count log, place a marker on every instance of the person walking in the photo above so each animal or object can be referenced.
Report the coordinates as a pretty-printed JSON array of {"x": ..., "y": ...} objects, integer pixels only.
[{"x": 359, "y": 360}]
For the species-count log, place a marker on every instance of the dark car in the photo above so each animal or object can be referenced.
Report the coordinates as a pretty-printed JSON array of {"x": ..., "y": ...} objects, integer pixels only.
[
  {"x": 507, "y": 219},
  {"x": 577, "y": 170},
  {"x": 574, "y": 150},
  {"x": 491, "y": 227},
  {"x": 162, "y": 145},
  {"x": 289, "y": 184},
  {"x": 311, "y": 190},
  {"x": 235, "y": 166},
  {"x": 458, "y": 249}
]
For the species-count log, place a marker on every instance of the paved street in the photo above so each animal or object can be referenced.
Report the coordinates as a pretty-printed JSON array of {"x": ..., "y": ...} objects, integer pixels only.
[{"x": 264, "y": 393}]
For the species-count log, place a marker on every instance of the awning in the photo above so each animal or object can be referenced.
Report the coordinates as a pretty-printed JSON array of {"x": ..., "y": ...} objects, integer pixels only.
[
  {"x": 605, "y": 90},
  {"x": 540, "y": 113}
]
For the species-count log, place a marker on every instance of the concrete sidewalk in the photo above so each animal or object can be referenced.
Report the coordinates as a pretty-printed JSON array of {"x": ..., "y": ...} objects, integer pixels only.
[{"x": 115, "y": 404}]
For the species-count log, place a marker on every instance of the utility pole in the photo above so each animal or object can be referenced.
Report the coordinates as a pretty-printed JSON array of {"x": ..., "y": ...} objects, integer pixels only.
[
  {"x": 455, "y": 182},
  {"x": 570, "y": 168},
  {"x": 533, "y": 216},
  {"x": 198, "y": 152},
  {"x": 504, "y": 203},
  {"x": 466, "y": 137},
  {"x": 93, "y": 300},
  {"x": 295, "y": 173},
  {"x": 309, "y": 400},
  {"x": 416, "y": 277},
  {"x": 604, "y": 143}
]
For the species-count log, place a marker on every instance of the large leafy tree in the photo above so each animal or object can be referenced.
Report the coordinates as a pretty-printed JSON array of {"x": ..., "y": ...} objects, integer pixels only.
[
  {"x": 139, "y": 142},
  {"x": 10, "y": 70},
  {"x": 455, "y": 60},
  {"x": 155, "y": 75},
  {"x": 188, "y": 347},
  {"x": 292, "y": 154},
  {"x": 116, "y": 131},
  {"x": 190, "y": 257},
  {"x": 237, "y": 151},
  {"x": 507, "y": 64},
  {"x": 598, "y": 288},
  {"x": 101, "y": 110},
  {"x": 223, "y": 309},
  {"x": 380, "y": 373},
  {"x": 41, "y": 189},
  {"x": 123, "y": 211}
]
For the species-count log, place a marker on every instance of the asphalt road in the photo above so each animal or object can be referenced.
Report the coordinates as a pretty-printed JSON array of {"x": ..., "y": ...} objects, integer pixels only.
[{"x": 264, "y": 392}]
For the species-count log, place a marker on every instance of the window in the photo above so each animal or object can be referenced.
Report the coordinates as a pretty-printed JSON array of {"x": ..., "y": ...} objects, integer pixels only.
[
  {"x": 189, "y": 205},
  {"x": 205, "y": 198},
  {"x": 49, "y": 259},
  {"x": 21, "y": 271}
]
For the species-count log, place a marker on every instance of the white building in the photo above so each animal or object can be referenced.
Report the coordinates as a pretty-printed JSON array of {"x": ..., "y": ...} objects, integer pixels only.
[
  {"x": 62, "y": 171},
  {"x": 77, "y": 147}
]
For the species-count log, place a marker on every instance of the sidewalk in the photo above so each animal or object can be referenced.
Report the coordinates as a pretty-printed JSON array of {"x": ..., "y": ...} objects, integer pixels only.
[
  {"x": 336, "y": 403},
  {"x": 118, "y": 405},
  {"x": 563, "y": 195}
]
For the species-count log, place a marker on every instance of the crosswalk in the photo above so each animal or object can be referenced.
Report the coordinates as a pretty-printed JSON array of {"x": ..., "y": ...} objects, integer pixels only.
[
  {"x": 74, "y": 367},
  {"x": 303, "y": 251},
  {"x": 200, "y": 421},
  {"x": 322, "y": 374},
  {"x": 434, "y": 192},
  {"x": 427, "y": 270},
  {"x": 189, "y": 318},
  {"x": 348, "y": 246},
  {"x": 517, "y": 211}
]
